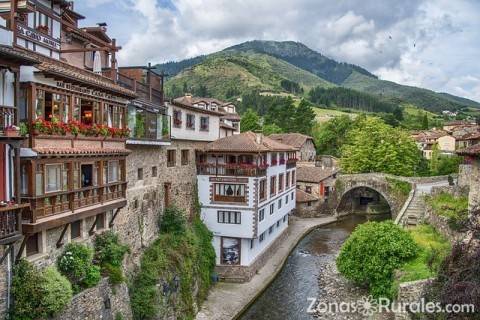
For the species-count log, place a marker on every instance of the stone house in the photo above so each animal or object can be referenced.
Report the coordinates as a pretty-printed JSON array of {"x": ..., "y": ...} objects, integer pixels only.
[
  {"x": 317, "y": 182},
  {"x": 307, "y": 204},
  {"x": 247, "y": 190},
  {"x": 305, "y": 145},
  {"x": 471, "y": 176}
]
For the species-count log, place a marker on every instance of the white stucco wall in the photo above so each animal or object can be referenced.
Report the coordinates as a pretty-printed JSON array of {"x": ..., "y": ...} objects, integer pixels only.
[{"x": 183, "y": 133}]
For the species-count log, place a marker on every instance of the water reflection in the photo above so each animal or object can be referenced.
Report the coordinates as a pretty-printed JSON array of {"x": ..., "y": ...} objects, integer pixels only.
[{"x": 286, "y": 297}]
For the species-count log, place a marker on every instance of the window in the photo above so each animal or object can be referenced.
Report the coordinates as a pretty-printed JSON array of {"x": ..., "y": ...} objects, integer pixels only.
[
  {"x": 270, "y": 230},
  {"x": 280, "y": 182},
  {"x": 273, "y": 184},
  {"x": 309, "y": 204},
  {"x": 278, "y": 223},
  {"x": 171, "y": 158},
  {"x": 190, "y": 121},
  {"x": 279, "y": 203},
  {"x": 154, "y": 171},
  {"x": 252, "y": 241},
  {"x": 185, "y": 157},
  {"x": 230, "y": 251},
  {"x": 282, "y": 158},
  {"x": 263, "y": 189},
  {"x": 287, "y": 180},
  {"x": 204, "y": 123},
  {"x": 100, "y": 221},
  {"x": 262, "y": 237},
  {"x": 229, "y": 217},
  {"x": 113, "y": 169},
  {"x": 327, "y": 191},
  {"x": 56, "y": 177},
  {"x": 43, "y": 23},
  {"x": 293, "y": 178},
  {"x": 33, "y": 244},
  {"x": 274, "y": 159},
  {"x": 76, "y": 229},
  {"x": 272, "y": 208},
  {"x": 308, "y": 189},
  {"x": 140, "y": 173},
  {"x": 284, "y": 218},
  {"x": 177, "y": 118},
  {"x": 261, "y": 215},
  {"x": 229, "y": 192},
  {"x": 291, "y": 196},
  {"x": 286, "y": 199}
]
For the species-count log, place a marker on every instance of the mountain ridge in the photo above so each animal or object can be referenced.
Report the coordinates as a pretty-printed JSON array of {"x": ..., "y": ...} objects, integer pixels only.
[{"x": 295, "y": 62}]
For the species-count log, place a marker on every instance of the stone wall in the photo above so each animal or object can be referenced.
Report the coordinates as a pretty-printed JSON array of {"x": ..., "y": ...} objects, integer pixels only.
[
  {"x": 246, "y": 273},
  {"x": 137, "y": 224},
  {"x": 100, "y": 302},
  {"x": 409, "y": 292},
  {"x": 474, "y": 195}
]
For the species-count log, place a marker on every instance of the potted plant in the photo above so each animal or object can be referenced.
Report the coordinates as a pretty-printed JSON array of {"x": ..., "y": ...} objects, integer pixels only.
[
  {"x": 12, "y": 131},
  {"x": 40, "y": 126},
  {"x": 103, "y": 131},
  {"x": 74, "y": 127},
  {"x": 23, "y": 129}
]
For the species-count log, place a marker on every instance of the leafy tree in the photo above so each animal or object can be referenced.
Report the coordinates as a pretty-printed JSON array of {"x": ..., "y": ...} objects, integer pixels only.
[
  {"x": 398, "y": 113},
  {"x": 304, "y": 118},
  {"x": 330, "y": 136},
  {"x": 185, "y": 87},
  {"x": 448, "y": 165},
  {"x": 250, "y": 121},
  {"x": 269, "y": 129},
  {"x": 434, "y": 159},
  {"x": 374, "y": 146},
  {"x": 202, "y": 91},
  {"x": 373, "y": 252}
]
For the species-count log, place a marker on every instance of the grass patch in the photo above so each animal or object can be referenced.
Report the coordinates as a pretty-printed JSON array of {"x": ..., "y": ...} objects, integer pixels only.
[
  {"x": 399, "y": 187},
  {"x": 455, "y": 209}
]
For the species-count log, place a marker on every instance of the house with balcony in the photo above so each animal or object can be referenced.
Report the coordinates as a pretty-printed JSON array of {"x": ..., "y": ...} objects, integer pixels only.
[
  {"x": 306, "y": 146},
  {"x": 246, "y": 186},
  {"x": 73, "y": 162}
]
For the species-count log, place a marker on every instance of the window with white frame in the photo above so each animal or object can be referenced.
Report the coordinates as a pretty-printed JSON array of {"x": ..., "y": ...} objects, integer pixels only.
[
  {"x": 272, "y": 208},
  {"x": 55, "y": 177},
  {"x": 261, "y": 215}
]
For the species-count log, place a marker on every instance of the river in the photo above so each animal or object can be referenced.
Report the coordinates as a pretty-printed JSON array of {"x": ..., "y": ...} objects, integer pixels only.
[{"x": 286, "y": 297}]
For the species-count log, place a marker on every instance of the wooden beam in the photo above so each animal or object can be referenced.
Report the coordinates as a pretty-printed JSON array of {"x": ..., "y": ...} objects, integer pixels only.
[
  {"x": 60, "y": 240},
  {"x": 92, "y": 231},
  {"x": 22, "y": 247},
  {"x": 88, "y": 49},
  {"x": 113, "y": 218}
]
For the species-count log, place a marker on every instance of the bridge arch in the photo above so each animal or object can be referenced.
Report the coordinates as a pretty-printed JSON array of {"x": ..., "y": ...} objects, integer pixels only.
[{"x": 382, "y": 184}]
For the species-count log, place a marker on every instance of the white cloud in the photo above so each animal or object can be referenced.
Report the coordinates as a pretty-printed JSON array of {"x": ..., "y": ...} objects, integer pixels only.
[{"x": 429, "y": 43}]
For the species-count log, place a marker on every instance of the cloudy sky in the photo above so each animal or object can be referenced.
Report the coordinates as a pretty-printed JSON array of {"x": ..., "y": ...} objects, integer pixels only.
[{"x": 429, "y": 43}]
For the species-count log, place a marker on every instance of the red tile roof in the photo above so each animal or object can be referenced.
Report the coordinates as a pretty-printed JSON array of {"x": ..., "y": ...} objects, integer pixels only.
[
  {"x": 17, "y": 55},
  {"x": 470, "y": 151},
  {"x": 296, "y": 140},
  {"x": 247, "y": 142},
  {"x": 302, "y": 196},
  {"x": 314, "y": 174}
]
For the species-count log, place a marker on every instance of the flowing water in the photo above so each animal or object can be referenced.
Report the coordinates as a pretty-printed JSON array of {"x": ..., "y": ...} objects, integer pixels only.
[{"x": 286, "y": 297}]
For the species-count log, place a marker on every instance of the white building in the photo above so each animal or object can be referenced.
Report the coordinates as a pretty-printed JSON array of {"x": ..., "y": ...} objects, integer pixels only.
[{"x": 246, "y": 186}]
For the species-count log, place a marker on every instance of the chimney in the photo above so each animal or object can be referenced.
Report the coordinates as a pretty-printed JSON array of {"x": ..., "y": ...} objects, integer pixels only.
[{"x": 259, "y": 137}]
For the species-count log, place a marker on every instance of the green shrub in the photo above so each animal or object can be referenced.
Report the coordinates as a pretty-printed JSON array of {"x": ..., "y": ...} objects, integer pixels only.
[
  {"x": 76, "y": 264},
  {"x": 187, "y": 254},
  {"x": 38, "y": 294},
  {"x": 400, "y": 187},
  {"x": 371, "y": 254},
  {"x": 455, "y": 209},
  {"x": 109, "y": 253},
  {"x": 173, "y": 221}
]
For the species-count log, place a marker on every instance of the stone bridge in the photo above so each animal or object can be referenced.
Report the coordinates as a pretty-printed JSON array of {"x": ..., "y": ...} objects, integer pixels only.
[{"x": 395, "y": 190}]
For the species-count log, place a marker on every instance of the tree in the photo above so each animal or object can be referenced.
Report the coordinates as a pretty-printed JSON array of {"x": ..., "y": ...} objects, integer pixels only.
[
  {"x": 304, "y": 118},
  {"x": 434, "y": 160},
  {"x": 425, "y": 121},
  {"x": 250, "y": 121},
  {"x": 373, "y": 252},
  {"x": 374, "y": 146},
  {"x": 269, "y": 129},
  {"x": 330, "y": 136}
]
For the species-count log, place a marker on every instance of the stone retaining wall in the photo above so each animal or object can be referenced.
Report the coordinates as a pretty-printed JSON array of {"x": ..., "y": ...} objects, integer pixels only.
[
  {"x": 100, "y": 302},
  {"x": 409, "y": 292},
  {"x": 245, "y": 273}
]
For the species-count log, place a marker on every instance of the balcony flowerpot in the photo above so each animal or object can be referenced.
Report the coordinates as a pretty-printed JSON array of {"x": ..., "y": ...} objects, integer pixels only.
[{"x": 12, "y": 133}]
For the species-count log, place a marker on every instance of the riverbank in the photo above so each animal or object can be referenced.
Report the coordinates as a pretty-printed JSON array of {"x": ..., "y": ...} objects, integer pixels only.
[{"x": 228, "y": 300}]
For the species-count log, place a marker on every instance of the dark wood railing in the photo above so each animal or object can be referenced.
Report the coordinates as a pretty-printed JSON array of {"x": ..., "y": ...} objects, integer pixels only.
[
  {"x": 10, "y": 220},
  {"x": 291, "y": 163},
  {"x": 231, "y": 170},
  {"x": 6, "y": 118},
  {"x": 235, "y": 199},
  {"x": 64, "y": 201}
]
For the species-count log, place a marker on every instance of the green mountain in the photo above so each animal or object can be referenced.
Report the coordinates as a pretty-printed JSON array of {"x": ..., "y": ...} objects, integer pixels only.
[{"x": 274, "y": 66}]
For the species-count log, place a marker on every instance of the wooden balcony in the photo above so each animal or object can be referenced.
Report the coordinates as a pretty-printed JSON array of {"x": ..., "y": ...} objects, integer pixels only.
[
  {"x": 229, "y": 199},
  {"x": 72, "y": 202},
  {"x": 10, "y": 223},
  {"x": 291, "y": 163},
  {"x": 245, "y": 170}
]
